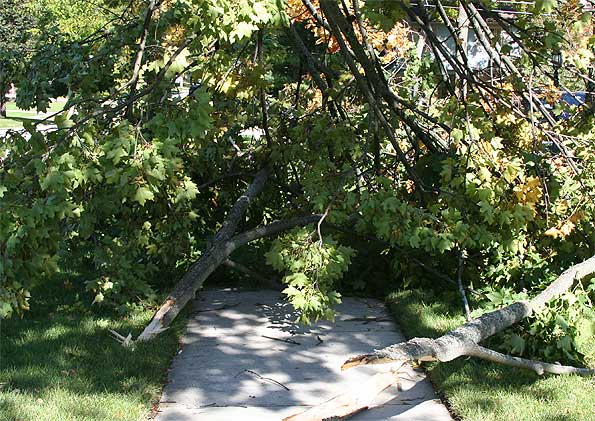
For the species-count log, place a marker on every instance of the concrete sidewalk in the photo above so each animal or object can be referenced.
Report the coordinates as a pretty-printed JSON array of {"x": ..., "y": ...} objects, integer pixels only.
[{"x": 244, "y": 359}]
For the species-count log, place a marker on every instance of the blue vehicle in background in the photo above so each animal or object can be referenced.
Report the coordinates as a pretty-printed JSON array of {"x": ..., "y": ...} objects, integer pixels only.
[{"x": 567, "y": 105}]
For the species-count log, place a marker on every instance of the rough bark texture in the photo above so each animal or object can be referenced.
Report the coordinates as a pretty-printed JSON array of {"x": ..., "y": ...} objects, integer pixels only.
[
  {"x": 208, "y": 262},
  {"x": 462, "y": 341},
  {"x": 2, "y": 104}
]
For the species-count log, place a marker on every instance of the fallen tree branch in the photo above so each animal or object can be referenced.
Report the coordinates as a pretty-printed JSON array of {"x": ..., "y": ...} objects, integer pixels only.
[
  {"x": 208, "y": 262},
  {"x": 462, "y": 341},
  {"x": 203, "y": 267},
  {"x": 289, "y": 341},
  {"x": 266, "y": 379},
  {"x": 537, "y": 366}
]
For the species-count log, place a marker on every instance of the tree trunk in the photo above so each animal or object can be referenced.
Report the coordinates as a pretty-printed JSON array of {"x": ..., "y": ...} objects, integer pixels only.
[
  {"x": 3, "y": 91},
  {"x": 2, "y": 102}
]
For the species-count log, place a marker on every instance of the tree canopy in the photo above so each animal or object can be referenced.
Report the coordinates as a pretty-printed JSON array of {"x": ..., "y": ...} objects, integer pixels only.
[
  {"x": 367, "y": 118},
  {"x": 15, "y": 24}
]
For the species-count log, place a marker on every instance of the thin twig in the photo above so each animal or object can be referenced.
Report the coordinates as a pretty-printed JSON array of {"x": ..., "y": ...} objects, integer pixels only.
[
  {"x": 367, "y": 320},
  {"x": 461, "y": 288},
  {"x": 268, "y": 379},
  {"x": 218, "y": 308},
  {"x": 286, "y": 340}
]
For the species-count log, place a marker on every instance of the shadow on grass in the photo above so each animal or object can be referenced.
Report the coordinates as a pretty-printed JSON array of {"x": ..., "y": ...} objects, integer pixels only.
[{"x": 69, "y": 363}]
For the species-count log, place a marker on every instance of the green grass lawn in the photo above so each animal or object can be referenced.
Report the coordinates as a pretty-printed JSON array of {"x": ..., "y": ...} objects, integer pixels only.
[
  {"x": 482, "y": 391},
  {"x": 15, "y": 116},
  {"x": 63, "y": 365}
]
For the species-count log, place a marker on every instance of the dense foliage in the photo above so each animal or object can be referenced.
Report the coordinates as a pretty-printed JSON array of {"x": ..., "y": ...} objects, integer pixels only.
[
  {"x": 450, "y": 170},
  {"x": 15, "y": 23}
]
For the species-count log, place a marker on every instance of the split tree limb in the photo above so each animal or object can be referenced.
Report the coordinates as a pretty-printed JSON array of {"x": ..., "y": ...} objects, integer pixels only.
[
  {"x": 208, "y": 262},
  {"x": 351, "y": 402},
  {"x": 463, "y": 340},
  {"x": 222, "y": 245},
  {"x": 198, "y": 273}
]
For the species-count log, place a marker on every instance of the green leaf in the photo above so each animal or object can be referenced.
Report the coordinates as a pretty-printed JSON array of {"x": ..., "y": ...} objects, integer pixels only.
[
  {"x": 564, "y": 343},
  {"x": 143, "y": 194},
  {"x": 545, "y": 6},
  {"x": 5, "y": 310},
  {"x": 561, "y": 322},
  {"x": 187, "y": 191},
  {"x": 242, "y": 30},
  {"x": 518, "y": 344},
  {"x": 457, "y": 135}
]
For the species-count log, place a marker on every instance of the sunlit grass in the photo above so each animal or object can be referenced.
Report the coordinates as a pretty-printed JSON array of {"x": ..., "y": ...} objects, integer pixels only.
[
  {"x": 65, "y": 366},
  {"x": 480, "y": 391},
  {"x": 15, "y": 116}
]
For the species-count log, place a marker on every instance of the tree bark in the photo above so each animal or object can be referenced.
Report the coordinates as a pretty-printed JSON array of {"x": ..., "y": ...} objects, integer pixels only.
[
  {"x": 208, "y": 262},
  {"x": 462, "y": 341},
  {"x": 223, "y": 244},
  {"x": 3, "y": 102}
]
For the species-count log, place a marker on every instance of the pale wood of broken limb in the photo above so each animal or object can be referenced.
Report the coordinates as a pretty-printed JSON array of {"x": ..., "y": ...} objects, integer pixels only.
[
  {"x": 462, "y": 341},
  {"x": 349, "y": 403}
]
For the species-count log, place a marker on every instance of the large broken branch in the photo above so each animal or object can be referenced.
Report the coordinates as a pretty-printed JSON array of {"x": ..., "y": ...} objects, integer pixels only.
[
  {"x": 222, "y": 245},
  {"x": 208, "y": 262},
  {"x": 346, "y": 404},
  {"x": 198, "y": 273},
  {"x": 463, "y": 340},
  {"x": 459, "y": 342}
]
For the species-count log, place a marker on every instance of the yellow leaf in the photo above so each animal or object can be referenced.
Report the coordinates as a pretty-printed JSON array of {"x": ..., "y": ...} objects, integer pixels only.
[
  {"x": 552, "y": 232},
  {"x": 566, "y": 228}
]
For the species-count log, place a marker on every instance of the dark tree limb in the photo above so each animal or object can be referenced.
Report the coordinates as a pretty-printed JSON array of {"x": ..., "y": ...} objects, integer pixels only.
[
  {"x": 153, "y": 4},
  {"x": 331, "y": 10},
  {"x": 223, "y": 244},
  {"x": 198, "y": 273},
  {"x": 208, "y": 262},
  {"x": 312, "y": 65},
  {"x": 239, "y": 208}
]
